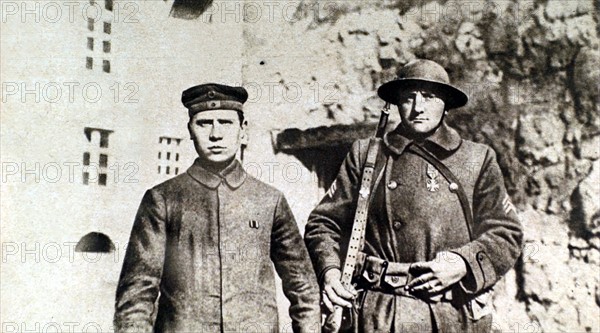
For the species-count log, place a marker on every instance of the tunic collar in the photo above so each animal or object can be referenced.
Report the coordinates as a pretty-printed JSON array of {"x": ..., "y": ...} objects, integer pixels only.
[
  {"x": 445, "y": 137},
  {"x": 234, "y": 175}
]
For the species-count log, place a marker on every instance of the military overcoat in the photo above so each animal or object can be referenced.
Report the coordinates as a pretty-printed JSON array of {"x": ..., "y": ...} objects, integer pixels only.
[
  {"x": 414, "y": 214},
  {"x": 201, "y": 257}
]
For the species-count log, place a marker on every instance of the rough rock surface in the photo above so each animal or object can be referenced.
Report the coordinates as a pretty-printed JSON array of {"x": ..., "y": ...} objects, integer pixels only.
[{"x": 532, "y": 72}]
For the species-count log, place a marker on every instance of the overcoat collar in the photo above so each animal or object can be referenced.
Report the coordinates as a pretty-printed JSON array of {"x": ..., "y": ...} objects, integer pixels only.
[
  {"x": 445, "y": 137},
  {"x": 234, "y": 175}
]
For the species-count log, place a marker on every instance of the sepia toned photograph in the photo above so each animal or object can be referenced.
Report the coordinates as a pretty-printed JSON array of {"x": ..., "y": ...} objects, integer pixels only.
[{"x": 300, "y": 166}]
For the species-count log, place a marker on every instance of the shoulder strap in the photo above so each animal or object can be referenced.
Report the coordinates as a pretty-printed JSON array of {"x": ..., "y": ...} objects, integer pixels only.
[{"x": 455, "y": 185}]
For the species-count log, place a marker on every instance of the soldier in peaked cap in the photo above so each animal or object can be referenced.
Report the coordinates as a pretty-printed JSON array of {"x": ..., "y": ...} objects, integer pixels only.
[
  {"x": 441, "y": 229},
  {"x": 203, "y": 244}
]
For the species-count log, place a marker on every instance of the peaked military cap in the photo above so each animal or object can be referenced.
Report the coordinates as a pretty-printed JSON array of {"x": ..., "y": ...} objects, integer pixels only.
[
  {"x": 423, "y": 73},
  {"x": 213, "y": 96}
]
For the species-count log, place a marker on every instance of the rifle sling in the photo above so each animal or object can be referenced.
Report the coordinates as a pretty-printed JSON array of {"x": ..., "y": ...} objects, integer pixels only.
[{"x": 361, "y": 214}]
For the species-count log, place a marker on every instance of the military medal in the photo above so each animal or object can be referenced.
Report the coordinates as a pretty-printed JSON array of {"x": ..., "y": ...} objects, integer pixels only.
[{"x": 432, "y": 183}]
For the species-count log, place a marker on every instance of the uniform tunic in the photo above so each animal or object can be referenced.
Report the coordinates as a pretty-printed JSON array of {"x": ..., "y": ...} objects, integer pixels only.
[
  {"x": 208, "y": 243},
  {"x": 412, "y": 218}
]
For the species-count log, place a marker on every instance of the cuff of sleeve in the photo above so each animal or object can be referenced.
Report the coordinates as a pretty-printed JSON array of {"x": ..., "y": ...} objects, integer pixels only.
[
  {"x": 322, "y": 275},
  {"x": 326, "y": 262},
  {"x": 480, "y": 272}
]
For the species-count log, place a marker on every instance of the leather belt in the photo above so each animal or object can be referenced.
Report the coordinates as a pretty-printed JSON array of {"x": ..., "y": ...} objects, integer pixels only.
[{"x": 389, "y": 277}]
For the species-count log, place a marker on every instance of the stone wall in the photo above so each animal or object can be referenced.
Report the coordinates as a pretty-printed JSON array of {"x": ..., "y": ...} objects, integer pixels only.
[{"x": 531, "y": 70}]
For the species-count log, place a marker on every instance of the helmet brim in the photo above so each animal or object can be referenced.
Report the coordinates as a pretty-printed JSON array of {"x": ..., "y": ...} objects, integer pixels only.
[{"x": 452, "y": 96}]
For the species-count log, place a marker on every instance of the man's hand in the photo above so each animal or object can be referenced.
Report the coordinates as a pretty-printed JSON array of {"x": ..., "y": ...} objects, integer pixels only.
[
  {"x": 434, "y": 276},
  {"x": 334, "y": 292}
]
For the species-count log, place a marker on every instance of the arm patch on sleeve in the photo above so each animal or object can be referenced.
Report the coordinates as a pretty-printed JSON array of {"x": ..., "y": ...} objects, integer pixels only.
[
  {"x": 508, "y": 205},
  {"x": 332, "y": 189}
]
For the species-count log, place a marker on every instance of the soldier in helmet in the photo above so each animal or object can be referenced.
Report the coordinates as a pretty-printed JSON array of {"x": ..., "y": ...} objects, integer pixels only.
[
  {"x": 441, "y": 229},
  {"x": 204, "y": 243}
]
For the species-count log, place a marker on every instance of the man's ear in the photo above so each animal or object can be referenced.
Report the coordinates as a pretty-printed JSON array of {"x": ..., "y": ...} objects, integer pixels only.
[
  {"x": 189, "y": 126},
  {"x": 244, "y": 133}
]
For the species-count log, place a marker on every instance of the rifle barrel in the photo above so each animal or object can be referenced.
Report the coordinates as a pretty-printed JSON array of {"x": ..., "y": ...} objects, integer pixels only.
[{"x": 383, "y": 119}]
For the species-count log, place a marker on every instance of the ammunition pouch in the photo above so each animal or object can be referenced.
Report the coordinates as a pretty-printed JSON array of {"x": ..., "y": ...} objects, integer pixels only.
[{"x": 376, "y": 274}]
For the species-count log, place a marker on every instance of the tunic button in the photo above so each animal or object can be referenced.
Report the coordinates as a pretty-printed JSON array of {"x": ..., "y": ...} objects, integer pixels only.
[
  {"x": 397, "y": 225},
  {"x": 392, "y": 185},
  {"x": 453, "y": 187},
  {"x": 395, "y": 279}
]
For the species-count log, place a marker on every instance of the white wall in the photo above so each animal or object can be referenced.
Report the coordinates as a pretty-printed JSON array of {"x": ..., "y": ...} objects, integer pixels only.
[{"x": 156, "y": 55}]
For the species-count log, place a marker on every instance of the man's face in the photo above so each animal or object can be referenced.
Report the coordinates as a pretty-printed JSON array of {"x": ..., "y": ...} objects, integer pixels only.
[
  {"x": 421, "y": 110},
  {"x": 217, "y": 135}
]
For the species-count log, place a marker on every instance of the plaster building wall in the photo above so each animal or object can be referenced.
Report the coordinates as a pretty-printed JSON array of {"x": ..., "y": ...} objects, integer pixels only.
[{"x": 130, "y": 106}]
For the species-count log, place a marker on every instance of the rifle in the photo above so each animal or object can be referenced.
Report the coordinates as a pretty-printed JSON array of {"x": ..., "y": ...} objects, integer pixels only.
[{"x": 335, "y": 320}]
